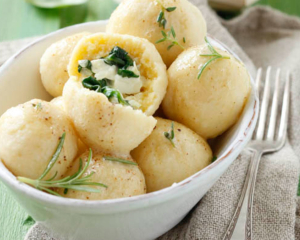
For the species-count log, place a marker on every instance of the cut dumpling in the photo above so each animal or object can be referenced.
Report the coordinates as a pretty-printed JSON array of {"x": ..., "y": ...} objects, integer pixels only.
[
  {"x": 212, "y": 103},
  {"x": 122, "y": 180},
  {"x": 54, "y": 62},
  {"x": 165, "y": 160},
  {"x": 102, "y": 124},
  {"x": 125, "y": 63},
  {"x": 30, "y": 133},
  {"x": 146, "y": 19},
  {"x": 117, "y": 83}
]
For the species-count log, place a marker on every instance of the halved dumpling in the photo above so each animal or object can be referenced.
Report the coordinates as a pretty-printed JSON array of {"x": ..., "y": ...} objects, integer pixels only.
[
  {"x": 54, "y": 63},
  {"x": 102, "y": 124},
  {"x": 125, "y": 63}
]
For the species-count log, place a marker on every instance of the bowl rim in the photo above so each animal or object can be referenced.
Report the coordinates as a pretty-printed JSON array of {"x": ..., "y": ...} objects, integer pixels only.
[{"x": 9, "y": 179}]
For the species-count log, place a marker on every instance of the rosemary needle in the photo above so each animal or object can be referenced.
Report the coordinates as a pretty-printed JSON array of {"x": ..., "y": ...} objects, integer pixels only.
[
  {"x": 171, "y": 37},
  {"x": 120, "y": 160},
  {"x": 170, "y": 135},
  {"x": 214, "y": 56}
]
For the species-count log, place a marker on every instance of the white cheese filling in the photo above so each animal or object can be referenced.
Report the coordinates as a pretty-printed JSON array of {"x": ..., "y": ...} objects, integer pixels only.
[{"x": 124, "y": 84}]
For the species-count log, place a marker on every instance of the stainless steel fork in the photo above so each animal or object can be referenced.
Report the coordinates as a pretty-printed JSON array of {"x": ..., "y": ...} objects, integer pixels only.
[{"x": 263, "y": 141}]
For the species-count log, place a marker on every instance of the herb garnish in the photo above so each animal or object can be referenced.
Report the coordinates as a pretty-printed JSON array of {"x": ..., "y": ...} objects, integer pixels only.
[
  {"x": 101, "y": 86},
  {"x": 127, "y": 73},
  {"x": 161, "y": 16},
  {"x": 94, "y": 84},
  {"x": 170, "y": 135},
  {"x": 214, "y": 54},
  {"x": 37, "y": 106},
  {"x": 73, "y": 182},
  {"x": 119, "y": 57},
  {"x": 168, "y": 37},
  {"x": 114, "y": 93},
  {"x": 84, "y": 64},
  {"x": 214, "y": 158},
  {"x": 120, "y": 160}
]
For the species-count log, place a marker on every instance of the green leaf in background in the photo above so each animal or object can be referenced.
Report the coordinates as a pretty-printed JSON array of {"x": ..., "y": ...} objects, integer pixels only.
[
  {"x": 73, "y": 15},
  {"x": 100, "y": 9},
  {"x": 29, "y": 21},
  {"x": 29, "y": 221},
  {"x": 291, "y": 7}
]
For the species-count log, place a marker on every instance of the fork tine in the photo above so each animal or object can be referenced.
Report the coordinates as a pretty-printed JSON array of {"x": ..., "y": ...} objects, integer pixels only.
[
  {"x": 264, "y": 107},
  {"x": 272, "y": 122},
  {"x": 285, "y": 110},
  {"x": 257, "y": 80}
]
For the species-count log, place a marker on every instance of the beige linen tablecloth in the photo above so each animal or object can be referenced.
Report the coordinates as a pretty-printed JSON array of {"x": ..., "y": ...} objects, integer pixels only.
[{"x": 261, "y": 37}]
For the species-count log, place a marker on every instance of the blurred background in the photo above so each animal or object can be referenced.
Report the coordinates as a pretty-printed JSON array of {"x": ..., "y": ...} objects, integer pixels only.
[{"x": 21, "y": 19}]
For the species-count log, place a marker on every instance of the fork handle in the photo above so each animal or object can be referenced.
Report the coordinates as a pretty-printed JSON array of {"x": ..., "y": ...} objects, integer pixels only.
[{"x": 240, "y": 226}]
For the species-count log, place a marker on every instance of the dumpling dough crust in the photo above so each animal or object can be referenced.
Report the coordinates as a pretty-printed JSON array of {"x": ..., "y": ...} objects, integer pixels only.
[
  {"x": 123, "y": 180},
  {"x": 139, "y": 18},
  {"x": 102, "y": 124},
  {"x": 59, "y": 102},
  {"x": 29, "y": 137},
  {"x": 211, "y": 104},
  {"x": 145, "y": 55}
]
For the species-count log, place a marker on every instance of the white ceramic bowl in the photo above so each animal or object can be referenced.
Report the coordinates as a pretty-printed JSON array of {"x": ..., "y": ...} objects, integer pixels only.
[{"x": 142, "y": 217}]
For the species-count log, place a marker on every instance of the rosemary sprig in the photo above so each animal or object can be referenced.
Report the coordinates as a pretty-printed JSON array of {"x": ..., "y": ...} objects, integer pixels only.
[
  {"x": 162, "y": 21},
  {"x": 214, "y": 54},
  {"x": 120, "y": 160},
  {"x": 170, "y": 135},
  {"x": 73, "y": 182},
  {"x": 171, "y": 37}
]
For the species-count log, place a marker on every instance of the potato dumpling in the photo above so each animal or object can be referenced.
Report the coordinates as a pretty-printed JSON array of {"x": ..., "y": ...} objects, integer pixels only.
[
  {"x": 146, "y": 90},
  {"x": 139, "y": 18},
  {"x": 122, "y": 180},
  {"x": 102, "y": 124},
  {"x": 164, "y": 163},
  {"x": 213, "y": 103},
  {"x": 54, "y": 62},
  {"x": 30, "y": 133}
]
